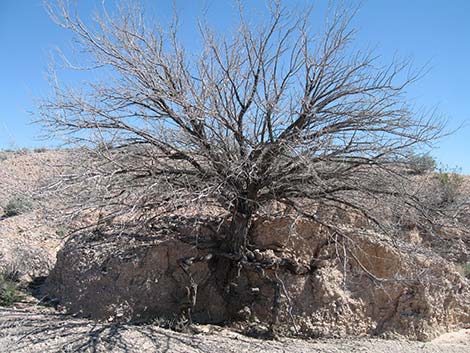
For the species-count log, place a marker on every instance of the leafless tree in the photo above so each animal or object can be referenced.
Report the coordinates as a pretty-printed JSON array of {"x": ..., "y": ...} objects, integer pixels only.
[{"x": 272, "y": 112}]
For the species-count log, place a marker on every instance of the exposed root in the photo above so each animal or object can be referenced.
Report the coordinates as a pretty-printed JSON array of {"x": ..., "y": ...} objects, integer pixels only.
[
  {"x": 250, "y": 261},
  {"x": 191, "y": 291},
  {"x": 277, "y": 285}
]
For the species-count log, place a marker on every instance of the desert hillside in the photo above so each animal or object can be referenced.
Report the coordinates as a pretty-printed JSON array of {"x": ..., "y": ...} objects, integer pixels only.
[{"x": 30, "y": 238}]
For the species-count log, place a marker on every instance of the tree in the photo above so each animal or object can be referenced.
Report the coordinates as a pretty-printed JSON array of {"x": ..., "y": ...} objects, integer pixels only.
[{"x": 271, "y": 113}]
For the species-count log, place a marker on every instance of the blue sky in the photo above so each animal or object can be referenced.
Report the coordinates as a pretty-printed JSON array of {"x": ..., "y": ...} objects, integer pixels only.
[{"x": 432, "y": 32}]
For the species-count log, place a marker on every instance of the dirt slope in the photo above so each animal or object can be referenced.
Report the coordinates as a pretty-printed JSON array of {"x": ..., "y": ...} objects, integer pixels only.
[{"x": 29, "y": 241}]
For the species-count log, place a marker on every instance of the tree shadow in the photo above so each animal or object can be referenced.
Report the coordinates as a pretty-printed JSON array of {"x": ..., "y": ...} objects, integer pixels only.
[{"x": 42, "y": 330}]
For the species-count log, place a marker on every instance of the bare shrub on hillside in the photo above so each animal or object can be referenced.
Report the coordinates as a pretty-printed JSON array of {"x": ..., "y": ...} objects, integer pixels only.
[
  {"x": 421, "y": 164},
  {"x": 448, "y": 185}
]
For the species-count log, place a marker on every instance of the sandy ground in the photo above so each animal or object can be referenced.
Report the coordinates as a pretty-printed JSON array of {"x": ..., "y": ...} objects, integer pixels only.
[{"x": 42, "y": 330}]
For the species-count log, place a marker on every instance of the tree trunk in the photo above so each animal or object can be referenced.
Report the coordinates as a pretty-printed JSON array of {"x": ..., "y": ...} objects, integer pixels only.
[
  {"x": 242, "y": 214},
  {"x": 239, "y": 229}
]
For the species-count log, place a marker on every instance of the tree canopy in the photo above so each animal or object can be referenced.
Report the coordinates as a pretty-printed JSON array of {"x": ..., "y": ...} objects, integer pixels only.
[{"x": 274, "y": 111}]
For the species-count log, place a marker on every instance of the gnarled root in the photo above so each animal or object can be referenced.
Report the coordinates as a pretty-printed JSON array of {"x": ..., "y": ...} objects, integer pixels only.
[{"x": 187, "y": 305}]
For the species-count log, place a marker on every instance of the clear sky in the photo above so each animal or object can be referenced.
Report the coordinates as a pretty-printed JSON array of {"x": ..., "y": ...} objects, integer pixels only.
[{"x": 433, "y": 32}]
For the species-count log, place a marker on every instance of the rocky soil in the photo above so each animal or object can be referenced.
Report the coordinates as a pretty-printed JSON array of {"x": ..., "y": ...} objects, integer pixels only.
[{"x": 34, "y": 330}]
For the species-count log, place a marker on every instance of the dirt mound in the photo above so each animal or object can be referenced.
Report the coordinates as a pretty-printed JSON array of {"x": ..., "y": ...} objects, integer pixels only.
[
  {"x": 367, "y": 286},
  {"x": 124, "y": 278}
]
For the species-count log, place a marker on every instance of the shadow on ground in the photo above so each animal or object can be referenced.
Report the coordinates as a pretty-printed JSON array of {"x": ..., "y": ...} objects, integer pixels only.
[
  {"x": 37, "y": 329},
  {"x": 24, "y": 331}
]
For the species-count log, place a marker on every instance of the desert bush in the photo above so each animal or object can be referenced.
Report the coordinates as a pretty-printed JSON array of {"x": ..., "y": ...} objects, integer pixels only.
[
  {"x": 40, "y": 150},
  {"x": 9, "y": 293},
  {"x": 18, "y": 205},
  {"x": 421, "y": 164},
  {"x": 464, "y": 269},
  {"x": 448, "y": 186},
  {"x": 3, "y": 156},
  {"x": 23, "y": 151},
  {"x": 61, "y": 232},
  {"x": 9, "y": 287},
  {"x": 11, "y": 272},
  {"x": 441, "y": 192}
]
